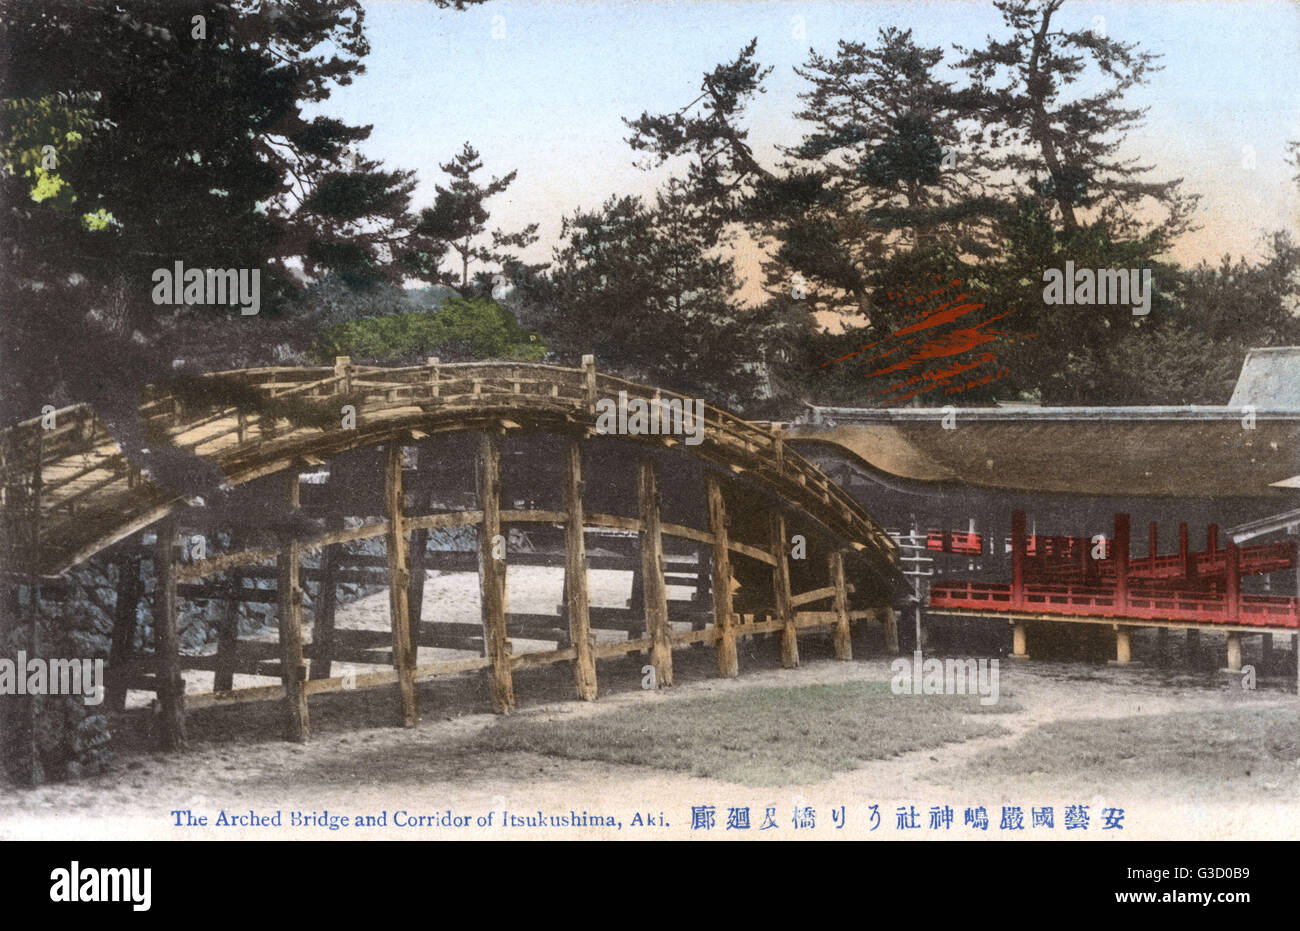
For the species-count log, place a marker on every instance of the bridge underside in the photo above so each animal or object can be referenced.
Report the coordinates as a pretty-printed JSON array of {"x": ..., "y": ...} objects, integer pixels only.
[{"x": 373, "y": 477}]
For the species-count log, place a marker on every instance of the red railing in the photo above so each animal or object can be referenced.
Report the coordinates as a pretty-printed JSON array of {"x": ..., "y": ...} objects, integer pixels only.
[
  {"x": 1261, "y": 558},
  {"x": 1039, "y": 546},
  {"x": 1255, "y": 560},
  {"x": 955, "y": 541},
  {"x": 1102, "y": 601}
]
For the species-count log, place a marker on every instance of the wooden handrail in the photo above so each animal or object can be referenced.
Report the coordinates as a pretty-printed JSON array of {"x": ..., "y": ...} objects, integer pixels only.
[{"x": 379, "y": 390}]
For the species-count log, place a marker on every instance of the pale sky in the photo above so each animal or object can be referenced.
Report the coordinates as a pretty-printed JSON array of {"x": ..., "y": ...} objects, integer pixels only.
[{"x": 542, "y": 86}]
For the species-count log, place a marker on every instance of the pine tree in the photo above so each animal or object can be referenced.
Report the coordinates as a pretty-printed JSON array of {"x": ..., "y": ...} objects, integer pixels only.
[
  {"x": 458, "y": 218},
  {"x": 693, "y": 227},
  {"x": 194, "y": 148},
  {"x": 708, "y": 132},
  {"x": 1061, "y": 145},
  {"x": 643, "y": 290},
  {"x": 886, "y": 168}
]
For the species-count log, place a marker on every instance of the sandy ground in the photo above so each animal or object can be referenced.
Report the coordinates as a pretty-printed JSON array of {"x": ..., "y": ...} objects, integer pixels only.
[{"x": 354, "y": 766}]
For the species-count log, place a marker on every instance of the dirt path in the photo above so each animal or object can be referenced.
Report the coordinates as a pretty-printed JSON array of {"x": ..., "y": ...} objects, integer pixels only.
[{"x": 369, "y": 770}]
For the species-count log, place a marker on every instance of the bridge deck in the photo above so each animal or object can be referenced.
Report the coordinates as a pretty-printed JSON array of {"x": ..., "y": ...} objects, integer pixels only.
[{"x": 67, "y": 490}]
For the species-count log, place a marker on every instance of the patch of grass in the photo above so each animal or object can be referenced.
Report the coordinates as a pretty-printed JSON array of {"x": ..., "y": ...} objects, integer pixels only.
[
  {"x": 1216, "y": 745},
  {"x": 758, "y": 736}
]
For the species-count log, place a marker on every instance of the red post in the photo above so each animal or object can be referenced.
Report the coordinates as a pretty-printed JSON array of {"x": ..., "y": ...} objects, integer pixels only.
[
  {"x": 1232, "y": 596},
  {"x": 1153, "y": 545},
  {"x": 1017, "y": 559},
  {"x": 1185, "y": 553},
  {"x": 1212, "y": 538},
  {"x": 1121, "y": 563}
]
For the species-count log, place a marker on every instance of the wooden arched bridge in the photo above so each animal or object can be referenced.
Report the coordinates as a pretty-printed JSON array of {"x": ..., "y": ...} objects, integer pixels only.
[{"x": 311, "y": 460}]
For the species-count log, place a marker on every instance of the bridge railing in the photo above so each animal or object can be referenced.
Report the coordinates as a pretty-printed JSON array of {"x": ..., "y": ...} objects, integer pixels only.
[
  {"x": 1101, "y": 601},
  {"x": 210, "y": 425}
]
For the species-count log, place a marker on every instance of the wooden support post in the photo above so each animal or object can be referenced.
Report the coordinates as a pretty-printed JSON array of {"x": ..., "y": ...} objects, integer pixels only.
[
  {"x": 419, "y": 557},
  {"x": 703, "y": 590},
  {"x": 1234, "y": 652},
  {"x": 703, "y": 574},
  {"x": 1212, "y": 538},
  {"x": 1121, "y": 562},
  {"x": 1091, "y": 566},
  {"x": 1185, "y": 553},
  {"x": 1153, "y": 545},
  {"x": 843, "y": 642},
  {"x": 326, "y": 606},
  {"x": 1232, "y": 590},
  {"x": 1123, "y": 645},
  {"x": 171, "y": 685},
  {"x": 728, "y": 662},
  {"x": 781, "y": 589},
  {"x": 891, "y": 631},
  {"x": 399, "y": 582},
  {"x": 435, "y": 374},
  {"x": 1019, "y": 641},
  {"x": 419, "y": 549},
  {"x": 227, "y": 637},
  {"x": 575, "y": 576},
  {"x": 124, "y": 623},
  {"x": 492, "y": 575},
  {"x": 1295, "y": 654},
  {"x": 1017, "y": 559},
  {"x": 35, "y": 770},
  {"x": 589, "y": 382},
  {"x": 636, "y": 596},
  {"x": 565, "y": 641},
  {"x": 653, "y": 587},
  {"x": 297, "y": 722},
  {"x": 343, "y": 370}
]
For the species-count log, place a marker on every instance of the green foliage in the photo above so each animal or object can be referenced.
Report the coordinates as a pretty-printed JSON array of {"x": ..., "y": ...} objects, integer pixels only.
[
  {"x": 39, "y": 134},
  {"x": 205, "y": 149},
  {"x": 644, "y": 290},
  {"x": 465, "y": 329}
]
